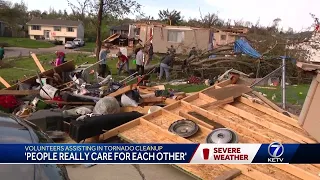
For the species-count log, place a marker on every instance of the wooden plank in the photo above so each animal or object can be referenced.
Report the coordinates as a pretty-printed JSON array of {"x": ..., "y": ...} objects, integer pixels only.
[
  {"x": 36, "y": 60},
  {"x": 296, "y": 171},
  {"x": 166, "y": 133},
  {"x": 217, "y": 103},
  {"x": 65, "y": 67},
  {"x": 115, "y": 131},
  {"x": 19, "y": 92},
  {"x": 267, "y": 101},
  {"x": 271, "y": 112},
  {"x": 198, "y": 121},
  {"x": 229, "y": 175},
  {"x": 308, "y": 66},
  {"x": 224, "y": 83},
  {"x": 250, "y": 172},
  {"x": 4, "y": 82},
  {"x": 230, "y": 124},
  {"x": 254, "y": 174},
  {"x": 123, "y": 90},
  {"x": 153, "y": 99},
  {"x": 143, "y": 110},
  {"x": 278, "y": 129}
]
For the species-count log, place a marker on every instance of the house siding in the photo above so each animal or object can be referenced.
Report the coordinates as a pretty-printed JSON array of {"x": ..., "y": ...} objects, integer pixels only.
[
  {"x": 198, "y": 38},
  {"x": 218, "y": 38}
]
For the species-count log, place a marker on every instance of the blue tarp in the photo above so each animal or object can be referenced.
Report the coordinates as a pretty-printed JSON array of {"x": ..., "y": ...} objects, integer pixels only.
[{"x": 242, "y": 46}]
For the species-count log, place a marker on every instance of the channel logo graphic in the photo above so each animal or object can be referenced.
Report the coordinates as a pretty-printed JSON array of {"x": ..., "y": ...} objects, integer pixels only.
[{"x": 275, "y": 150}]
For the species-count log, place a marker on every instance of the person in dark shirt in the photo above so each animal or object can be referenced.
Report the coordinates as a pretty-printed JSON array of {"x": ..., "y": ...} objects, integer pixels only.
[
  {"x": 123, "y": 63},
  {"x": 193, "y": 52},
  {"x": 165, "y": 66},
  {"x": 172, "y": 50}
]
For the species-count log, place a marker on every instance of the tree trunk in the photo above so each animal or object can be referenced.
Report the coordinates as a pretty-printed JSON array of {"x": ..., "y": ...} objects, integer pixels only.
[{"x": 98, "y": 41}]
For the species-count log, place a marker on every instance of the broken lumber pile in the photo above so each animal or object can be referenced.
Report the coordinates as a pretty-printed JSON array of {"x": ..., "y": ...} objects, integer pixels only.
[{"x": 252, "y": 122}]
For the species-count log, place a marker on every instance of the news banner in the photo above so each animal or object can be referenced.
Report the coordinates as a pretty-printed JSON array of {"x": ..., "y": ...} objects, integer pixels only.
[{"x": 159, "y": 153}]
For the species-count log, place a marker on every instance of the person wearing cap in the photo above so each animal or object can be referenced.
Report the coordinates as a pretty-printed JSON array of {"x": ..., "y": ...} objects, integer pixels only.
[
  {"x": 123, "y": 62},
  {"x": 103, "y": 67}
]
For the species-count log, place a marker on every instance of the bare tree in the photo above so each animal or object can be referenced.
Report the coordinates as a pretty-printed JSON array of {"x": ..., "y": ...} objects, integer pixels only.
[{"x": 103, "y": 9}]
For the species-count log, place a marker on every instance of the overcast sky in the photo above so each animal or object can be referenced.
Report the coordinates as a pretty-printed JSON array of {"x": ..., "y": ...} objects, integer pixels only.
[{"x": 293, "y": 13}]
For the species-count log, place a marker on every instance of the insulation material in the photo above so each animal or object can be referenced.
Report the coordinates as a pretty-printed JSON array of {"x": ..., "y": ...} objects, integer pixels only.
[{"x": 107, "y": 105}]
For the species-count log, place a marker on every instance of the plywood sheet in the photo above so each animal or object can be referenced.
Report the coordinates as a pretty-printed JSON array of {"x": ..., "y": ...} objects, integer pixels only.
[
  {"x": 231, "y": 91},
  {"x": 144, "y": 134},
  {"x": 250, "y": 125},
  {"x": 249, "y": 131},
  {"x": 269, "y": 118}
]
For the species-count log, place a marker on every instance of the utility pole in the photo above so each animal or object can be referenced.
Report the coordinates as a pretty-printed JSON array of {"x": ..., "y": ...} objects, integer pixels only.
[
  {"x": 98, "y": 40},
  {"x": 283, "y": 82}
]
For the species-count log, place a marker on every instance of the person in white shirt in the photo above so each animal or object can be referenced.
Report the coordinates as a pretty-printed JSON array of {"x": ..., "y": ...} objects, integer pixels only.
[{"x": 140, "y": 61}]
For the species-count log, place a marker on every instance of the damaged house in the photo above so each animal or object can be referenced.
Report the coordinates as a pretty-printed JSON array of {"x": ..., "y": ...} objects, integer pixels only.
[{"x": 183, "y": 38}]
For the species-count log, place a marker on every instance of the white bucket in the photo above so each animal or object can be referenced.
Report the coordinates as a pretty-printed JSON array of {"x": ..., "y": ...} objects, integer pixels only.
[
  {"x": 49, "y": 90},
  {"x": 153, "y": 109},
  {"x": 124, "y": 51}
]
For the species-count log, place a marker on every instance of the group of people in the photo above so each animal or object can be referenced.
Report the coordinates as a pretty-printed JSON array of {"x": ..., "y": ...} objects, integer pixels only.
[{"x": 138, "y": 57}]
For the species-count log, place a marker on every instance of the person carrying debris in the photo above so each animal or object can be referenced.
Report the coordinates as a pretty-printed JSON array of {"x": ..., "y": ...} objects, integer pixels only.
[
  {"x": 123, "y": 61},
  {"x": 165, "y": 66},
  {"x": 172, "y": 50},
  {"x": 103, "y": 67},
  {"x": 140, "y": 61}
]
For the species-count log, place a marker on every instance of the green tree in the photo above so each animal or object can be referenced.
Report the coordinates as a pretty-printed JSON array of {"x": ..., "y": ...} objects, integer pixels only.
[{"x": 171, "y": 17}]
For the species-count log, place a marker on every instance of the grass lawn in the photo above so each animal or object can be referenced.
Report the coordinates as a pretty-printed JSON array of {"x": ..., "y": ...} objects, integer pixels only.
[
  {"x": 25, "y": 43},
  {"x": 89, "y": 47},
  {"x": 25, "y": 67},
  {"x": 294, "y": 94},
  {"x": 18, "y": 69}
]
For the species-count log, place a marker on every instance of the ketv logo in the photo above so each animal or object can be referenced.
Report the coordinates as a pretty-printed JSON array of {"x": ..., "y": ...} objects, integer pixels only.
[{"x": 275, "y": 150}]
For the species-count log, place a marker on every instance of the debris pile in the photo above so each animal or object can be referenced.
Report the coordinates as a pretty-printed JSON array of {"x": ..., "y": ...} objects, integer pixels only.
[{"x": 63, "y": 99}]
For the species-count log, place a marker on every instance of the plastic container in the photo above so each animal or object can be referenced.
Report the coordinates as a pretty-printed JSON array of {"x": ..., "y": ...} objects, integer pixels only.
[
  {"x": 50, "y": 92},
  {"x": 124, "y": 51}
]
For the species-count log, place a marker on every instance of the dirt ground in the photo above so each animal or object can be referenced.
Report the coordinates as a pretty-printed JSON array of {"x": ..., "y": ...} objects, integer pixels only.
[{"x": 125, "y": 172}]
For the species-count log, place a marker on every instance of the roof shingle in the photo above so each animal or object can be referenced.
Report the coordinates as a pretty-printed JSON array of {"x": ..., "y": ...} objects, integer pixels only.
[{"x": 54, "y": 22}]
